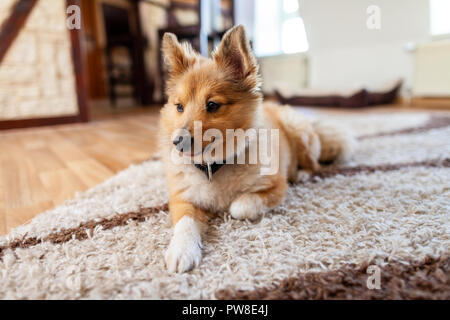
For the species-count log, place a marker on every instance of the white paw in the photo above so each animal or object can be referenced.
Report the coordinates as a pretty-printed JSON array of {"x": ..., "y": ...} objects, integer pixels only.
[
  {"x": 182, "y": 257},
  {"x": 303, "y": 175},
  {"x": 185, "y": 249},
  {"x": 247, "y": 206}
]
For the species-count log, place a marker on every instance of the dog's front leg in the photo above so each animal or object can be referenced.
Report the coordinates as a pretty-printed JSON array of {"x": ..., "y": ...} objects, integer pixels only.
[
  {"x": 251, "y": 205},
  {"x": 184, "y": 252}
]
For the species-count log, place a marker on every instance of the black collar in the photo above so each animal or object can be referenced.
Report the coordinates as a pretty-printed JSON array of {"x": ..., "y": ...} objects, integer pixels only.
[{"x": 209, "y": 170}]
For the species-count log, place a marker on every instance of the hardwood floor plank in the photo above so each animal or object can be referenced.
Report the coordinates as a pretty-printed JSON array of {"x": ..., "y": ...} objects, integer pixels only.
[
  {"x": 90, "y": 172},
  {"x": 17, "y": 216},
  {"x": 107, "y": 157},
  {"x": 44, "y": 159},
  {"x": 67, "y": 152},
  {"x": 61, "y": 184},
  {"x": 22, "y": 184}
]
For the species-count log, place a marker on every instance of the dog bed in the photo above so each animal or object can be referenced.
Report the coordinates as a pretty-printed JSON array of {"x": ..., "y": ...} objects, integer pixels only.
[{"x": 356, "y": 98}]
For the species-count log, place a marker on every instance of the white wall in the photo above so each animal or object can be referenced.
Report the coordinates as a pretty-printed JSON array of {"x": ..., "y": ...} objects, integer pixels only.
[
  {"x": 344, "y": 53},
  {"x": 244, "y": 14}
]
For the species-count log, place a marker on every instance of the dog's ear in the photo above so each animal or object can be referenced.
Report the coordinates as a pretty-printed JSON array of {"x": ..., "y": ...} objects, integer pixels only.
[
  {"x": 177, "y": 57},
  {"x": 235, "y": 54}
]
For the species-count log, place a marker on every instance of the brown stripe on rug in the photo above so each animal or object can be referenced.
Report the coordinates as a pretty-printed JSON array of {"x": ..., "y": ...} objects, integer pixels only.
[
  {"x": 426, "y": 279},
  {"x": 435, "y": 122},
  {"x": 82, "y": 232},
  {"x": 351, "y": 171}
]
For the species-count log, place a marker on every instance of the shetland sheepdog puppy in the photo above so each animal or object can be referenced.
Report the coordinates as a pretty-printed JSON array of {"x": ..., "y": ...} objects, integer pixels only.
[{"x": 222, "y": 94}]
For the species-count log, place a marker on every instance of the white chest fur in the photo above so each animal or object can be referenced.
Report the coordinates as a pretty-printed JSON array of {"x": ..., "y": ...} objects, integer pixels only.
[{"x": 216, "y": 195}]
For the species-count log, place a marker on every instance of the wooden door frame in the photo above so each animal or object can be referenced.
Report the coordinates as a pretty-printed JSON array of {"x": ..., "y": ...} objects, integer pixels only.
[
  {"x": 15, "y": 23},
  {"x": 144, "y": 87}
]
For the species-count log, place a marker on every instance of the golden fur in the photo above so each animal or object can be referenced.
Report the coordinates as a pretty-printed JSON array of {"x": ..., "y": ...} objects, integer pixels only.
[{"x": 231, "y": 79}]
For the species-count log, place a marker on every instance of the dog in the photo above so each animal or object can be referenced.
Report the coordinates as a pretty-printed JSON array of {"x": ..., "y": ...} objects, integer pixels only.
[{"x": 223, "y": 93}]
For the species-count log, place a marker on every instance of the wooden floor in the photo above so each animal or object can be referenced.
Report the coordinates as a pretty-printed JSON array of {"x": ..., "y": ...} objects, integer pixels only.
[{"x": 40, "y": 168}]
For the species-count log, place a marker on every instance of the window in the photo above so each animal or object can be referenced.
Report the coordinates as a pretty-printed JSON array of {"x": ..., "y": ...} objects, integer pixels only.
[
  {"x": 279, "y": 28},
  {"x": 440, "y": 17}
]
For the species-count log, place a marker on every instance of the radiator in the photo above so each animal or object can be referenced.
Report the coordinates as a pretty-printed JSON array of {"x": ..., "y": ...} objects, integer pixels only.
[
  {"x": 432, "y": 70},
  {"x": 284, "y": 72}
]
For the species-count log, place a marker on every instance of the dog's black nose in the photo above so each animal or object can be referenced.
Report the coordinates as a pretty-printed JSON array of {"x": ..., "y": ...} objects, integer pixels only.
[
  {"x": 178, "y": 140},
  {"x": 184, "y": 143}
]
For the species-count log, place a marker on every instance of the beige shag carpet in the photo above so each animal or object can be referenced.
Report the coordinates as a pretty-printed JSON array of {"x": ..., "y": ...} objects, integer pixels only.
[{"x": 389, "y": 207}]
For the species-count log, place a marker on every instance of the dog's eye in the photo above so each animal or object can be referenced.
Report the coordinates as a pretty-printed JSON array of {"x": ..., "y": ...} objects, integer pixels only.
[
  {"x": 212, "y": 106},
  {"x": 179, "y": 107}
]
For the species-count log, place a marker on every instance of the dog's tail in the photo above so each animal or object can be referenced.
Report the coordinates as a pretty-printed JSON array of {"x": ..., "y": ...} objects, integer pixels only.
[
  {"x": 319, "y": 141},
  {"x": 337, "y": 143}
]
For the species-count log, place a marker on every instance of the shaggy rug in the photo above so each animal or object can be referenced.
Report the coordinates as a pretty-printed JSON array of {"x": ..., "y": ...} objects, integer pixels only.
[{"x": 385, "y": 216}]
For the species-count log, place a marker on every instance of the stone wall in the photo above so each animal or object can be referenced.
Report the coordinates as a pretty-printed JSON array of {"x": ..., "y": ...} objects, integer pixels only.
[{"x": 36, "y": 76}]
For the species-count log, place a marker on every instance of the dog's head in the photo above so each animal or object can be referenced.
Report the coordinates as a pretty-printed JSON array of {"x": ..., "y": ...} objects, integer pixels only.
[{"x": 221, "y": 93}]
